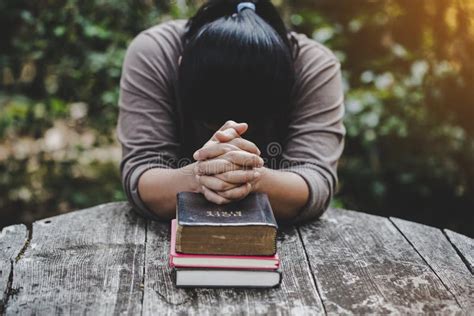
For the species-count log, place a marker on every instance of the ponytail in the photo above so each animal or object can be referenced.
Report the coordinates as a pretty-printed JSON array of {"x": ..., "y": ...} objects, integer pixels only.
[{"x": 216, "y": 9}]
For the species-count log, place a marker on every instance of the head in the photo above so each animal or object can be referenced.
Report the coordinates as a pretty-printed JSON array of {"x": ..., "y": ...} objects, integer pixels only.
[{"x": 236, "y": 65}]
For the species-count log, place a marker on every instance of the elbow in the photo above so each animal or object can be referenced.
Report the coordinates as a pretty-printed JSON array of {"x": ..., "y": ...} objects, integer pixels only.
[
  {"x": 144, "y": 208},
  {"x": 311, "y": 213},
  {"x": 134, "y": 184},
  {"x": 319, "y": 200}
]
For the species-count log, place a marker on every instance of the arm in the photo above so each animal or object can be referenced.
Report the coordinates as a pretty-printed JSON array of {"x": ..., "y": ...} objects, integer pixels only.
[
  {"x": 288, "y": 192},
  {"x": 158, "y": 187},
  {"x": 146, "y": 126},
  {"x": 316, "y": 132}
]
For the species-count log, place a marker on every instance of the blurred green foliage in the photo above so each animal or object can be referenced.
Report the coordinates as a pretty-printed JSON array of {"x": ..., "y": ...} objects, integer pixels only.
[{"x": 408, "y": 75}]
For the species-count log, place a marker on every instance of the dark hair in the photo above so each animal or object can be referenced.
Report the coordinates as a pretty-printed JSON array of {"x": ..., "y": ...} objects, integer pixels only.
[{"x": 236, "y": 65}]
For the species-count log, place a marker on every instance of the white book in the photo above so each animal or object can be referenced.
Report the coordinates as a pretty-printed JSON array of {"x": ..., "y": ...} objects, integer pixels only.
[{"x": 227, "y": 278}]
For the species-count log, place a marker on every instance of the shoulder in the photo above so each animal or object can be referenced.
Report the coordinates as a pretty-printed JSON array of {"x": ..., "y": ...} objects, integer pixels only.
[
  {"x": 172, "y": 31},
  {"x": 317, "y": 70},
  {"x": 313, "y": 56},
  {"x": 156, "y": 50},
  {"x": 158, "y": 41}
]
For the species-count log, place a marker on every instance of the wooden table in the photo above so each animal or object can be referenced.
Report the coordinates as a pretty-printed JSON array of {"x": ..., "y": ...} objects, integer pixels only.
[{"x": 107, "y": 260}]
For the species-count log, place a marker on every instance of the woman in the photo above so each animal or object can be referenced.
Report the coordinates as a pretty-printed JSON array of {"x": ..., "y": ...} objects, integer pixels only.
[{"x": 185, "y": 85}]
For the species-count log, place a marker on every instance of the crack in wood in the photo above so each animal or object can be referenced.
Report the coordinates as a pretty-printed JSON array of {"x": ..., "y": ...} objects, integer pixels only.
[
  {"x": 23, "y": 250},
  {"x": 313, "y": 277},
  {"x": 142, "y": 284},
  {"x": 460, "y": 254},
  {"x": 29, "y": 229},
  {"x": 10, "y": 292}
]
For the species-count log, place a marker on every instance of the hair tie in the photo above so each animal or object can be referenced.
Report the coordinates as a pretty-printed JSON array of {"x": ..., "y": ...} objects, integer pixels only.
[{"x": 245, "y": 5}]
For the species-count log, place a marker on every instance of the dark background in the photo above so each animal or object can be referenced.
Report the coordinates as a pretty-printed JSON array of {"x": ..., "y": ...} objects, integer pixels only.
[{"x": 408, "y": 73}]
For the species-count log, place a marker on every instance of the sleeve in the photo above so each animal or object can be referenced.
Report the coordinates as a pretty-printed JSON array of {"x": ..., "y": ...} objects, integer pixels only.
[
  {"x": 316, "y": 132},
  {"x": 146, "y": 125}
]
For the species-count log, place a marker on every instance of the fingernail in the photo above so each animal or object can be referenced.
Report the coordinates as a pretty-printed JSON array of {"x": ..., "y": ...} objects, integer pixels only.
[{"x": 196, "y": 155}]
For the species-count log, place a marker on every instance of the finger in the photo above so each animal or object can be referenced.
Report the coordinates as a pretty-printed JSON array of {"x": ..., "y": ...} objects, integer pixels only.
[
  {"x": 216, "y": 184},
  {"x": 223, "y": 136},
  {"x": 213, "y": 151},
  {"x": 215, "y": 166},
  {"x": 240, "y": 128},
  {"x": 238, "y": 193},
  {"x": 214, "y": 197},
  {"x": 245, "y": 145},
  {"x": 226, "y": 135},
  {"x": 243, "y": 158},
  {"x": 236, "y": 129},
  {"x": 228, "y": 124},
  {"x": 239, "y": 176}
]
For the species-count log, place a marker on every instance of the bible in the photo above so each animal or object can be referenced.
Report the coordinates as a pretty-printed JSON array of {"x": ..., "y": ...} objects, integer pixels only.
[
  {"x": 182, "y": 260},
  {"x": 243, "y": 228}
]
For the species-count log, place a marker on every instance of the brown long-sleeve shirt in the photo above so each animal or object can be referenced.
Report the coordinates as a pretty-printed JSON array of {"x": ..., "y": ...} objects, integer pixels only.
[{"x": 151, "y": 127}]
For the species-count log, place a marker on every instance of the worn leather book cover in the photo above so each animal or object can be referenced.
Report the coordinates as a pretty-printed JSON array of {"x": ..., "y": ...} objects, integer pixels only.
[{"x": 245, "y": 228}]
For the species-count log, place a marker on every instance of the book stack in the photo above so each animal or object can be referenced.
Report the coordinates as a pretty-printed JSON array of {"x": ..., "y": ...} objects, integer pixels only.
[{"x": 224, "y": 246}]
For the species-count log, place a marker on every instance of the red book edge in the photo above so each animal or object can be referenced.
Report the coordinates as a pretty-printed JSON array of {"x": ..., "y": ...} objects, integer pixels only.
[{"x": 174, "y": 254}]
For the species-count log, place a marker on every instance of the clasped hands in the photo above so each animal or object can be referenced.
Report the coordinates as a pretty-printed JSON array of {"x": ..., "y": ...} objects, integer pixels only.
[{"x": 228, "y": 167}]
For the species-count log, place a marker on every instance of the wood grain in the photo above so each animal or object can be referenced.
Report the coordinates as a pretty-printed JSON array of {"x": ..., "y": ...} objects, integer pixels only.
[
  {"x": 297, "y": 294},
  {"x": 82, "y": 262},
  {"x": 438, "y": 252},
  {"x": 464, "y": 245},
  {"x": 107, "y": 260},
  {"x": 363, "y": 264},
  {"x": 12, "y": 240}
]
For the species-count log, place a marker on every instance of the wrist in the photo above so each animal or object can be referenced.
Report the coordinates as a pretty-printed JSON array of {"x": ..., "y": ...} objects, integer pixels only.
[
  {"x": 189, "y": 178},
  {"x": 259, "y": 184}
]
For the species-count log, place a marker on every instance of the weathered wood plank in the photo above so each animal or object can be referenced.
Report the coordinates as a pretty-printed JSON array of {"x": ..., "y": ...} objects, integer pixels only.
[
  {"x": 438, "y": 252},
  {"x": 363, "y": 264},
  {"x": 297, "y": 294},
  {"x": 12, "y": 240},
  {"x": 82, "y": 262},
  {"x": 464, "y": 245}
]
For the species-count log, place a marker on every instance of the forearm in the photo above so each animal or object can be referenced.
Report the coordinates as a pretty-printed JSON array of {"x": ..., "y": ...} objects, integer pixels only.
[
  {"x": 158, "y": 188},
  {"x": 288, "y": 192}
]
